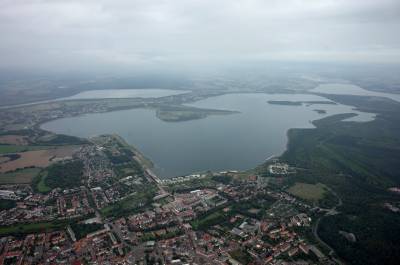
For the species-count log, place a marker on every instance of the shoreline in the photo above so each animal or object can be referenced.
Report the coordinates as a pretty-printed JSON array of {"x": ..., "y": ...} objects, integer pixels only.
[
  {"x": 276, "y": 155},
  {"x": 69, "y": 99}
]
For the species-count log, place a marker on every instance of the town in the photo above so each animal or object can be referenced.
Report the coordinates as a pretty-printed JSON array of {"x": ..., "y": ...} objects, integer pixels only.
[{"x": 104, "y": 205}]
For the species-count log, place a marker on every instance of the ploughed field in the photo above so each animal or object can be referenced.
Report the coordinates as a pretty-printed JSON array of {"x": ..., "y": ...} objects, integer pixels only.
[
  {"x": 38, "y": 158},
  {"x": 22, "y": 162}
]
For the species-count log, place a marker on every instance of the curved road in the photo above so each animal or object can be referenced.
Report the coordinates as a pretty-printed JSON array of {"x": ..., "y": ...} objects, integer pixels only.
[{"x": 329, "y": 212}]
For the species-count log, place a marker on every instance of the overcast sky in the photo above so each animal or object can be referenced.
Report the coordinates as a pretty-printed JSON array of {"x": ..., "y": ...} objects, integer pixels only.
[{"x": 142, "y": 33}]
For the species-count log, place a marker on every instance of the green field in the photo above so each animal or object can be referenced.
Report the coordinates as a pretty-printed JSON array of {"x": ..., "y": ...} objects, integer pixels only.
[
  {"x": 25, "y": 175},
  {"x": 29, "y": 228},
  {"x": 310, "y": 192},
  {"x": 5, "y": 149},
  {"x": 41, "y": 184}
]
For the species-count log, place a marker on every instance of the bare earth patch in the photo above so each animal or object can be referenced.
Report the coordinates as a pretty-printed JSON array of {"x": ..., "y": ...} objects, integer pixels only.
[
  {"x": 13, "y": 139},
  {"x": 38, "y": 158},
  {"x": 4, "y": 159}
]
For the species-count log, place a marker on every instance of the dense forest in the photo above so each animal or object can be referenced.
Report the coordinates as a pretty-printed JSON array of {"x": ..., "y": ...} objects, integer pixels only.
[
  {"x": 359, "y": 161},
  {"x": 64, "y": 175}
]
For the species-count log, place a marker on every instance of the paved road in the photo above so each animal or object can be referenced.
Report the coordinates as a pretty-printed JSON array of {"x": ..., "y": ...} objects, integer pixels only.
[{"x": 329, "y": 212}]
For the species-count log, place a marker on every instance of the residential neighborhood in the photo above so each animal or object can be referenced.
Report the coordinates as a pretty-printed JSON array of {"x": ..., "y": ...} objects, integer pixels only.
[{"x": 121, "y": 213}]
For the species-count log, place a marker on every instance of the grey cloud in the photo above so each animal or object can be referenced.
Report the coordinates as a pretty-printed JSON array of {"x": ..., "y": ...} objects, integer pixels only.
[{"x": 142, "y": 33}]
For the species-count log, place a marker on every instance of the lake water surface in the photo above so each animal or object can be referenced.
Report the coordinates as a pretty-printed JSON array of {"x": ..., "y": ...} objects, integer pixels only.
[{"x": 225, "y": 142}]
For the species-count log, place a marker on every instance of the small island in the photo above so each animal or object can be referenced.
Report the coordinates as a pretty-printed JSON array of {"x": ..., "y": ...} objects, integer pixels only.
[
  {"x": 286, "y": 103},
  {"x": 300, "y": 103},
  {"x": 185, "y": 113},
  {"x": 320, "y": 111}
]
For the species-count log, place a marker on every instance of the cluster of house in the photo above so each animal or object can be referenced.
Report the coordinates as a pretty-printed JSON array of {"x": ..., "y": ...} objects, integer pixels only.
[
  {"x": 42, "y": 248},
  {"x": 182, "y": 179},
  {"x": 278, "y": 168},
  {"x": 61, "y": 247},
  {"x": 266, "y": 241},
  {"x": 189, "y": 205},
  {"x": 58, "y": 204},
  {"x": 74, "y": 204},
  {"x": 164, "y": 233}
]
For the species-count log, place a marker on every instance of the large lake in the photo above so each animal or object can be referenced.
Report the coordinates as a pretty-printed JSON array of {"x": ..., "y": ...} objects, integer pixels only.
[{"x": 225, "y": 142}]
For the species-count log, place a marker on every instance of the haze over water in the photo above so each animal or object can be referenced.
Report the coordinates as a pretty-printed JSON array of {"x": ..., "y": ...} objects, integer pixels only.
[{"x": 350, "y": 89}]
